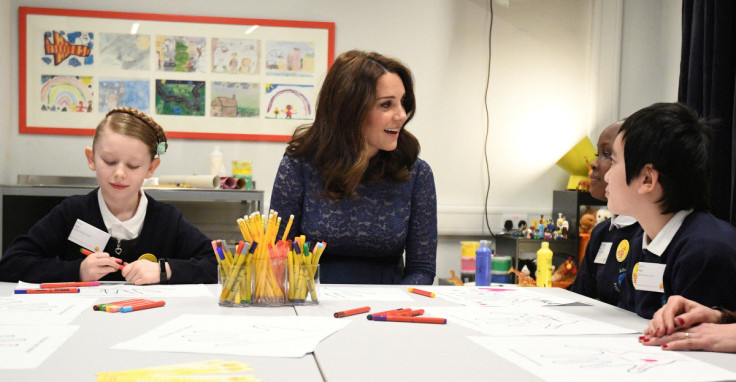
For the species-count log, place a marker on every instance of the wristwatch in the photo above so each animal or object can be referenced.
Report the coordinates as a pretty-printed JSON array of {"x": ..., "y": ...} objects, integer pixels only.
[{"x": 164, "y": 278}]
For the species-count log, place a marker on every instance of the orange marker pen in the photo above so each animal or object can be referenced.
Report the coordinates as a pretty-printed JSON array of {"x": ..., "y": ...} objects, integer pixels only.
[
  {"x": 352, "y": 312},
  {"x": 422, "y": 292},
  {"x": 141, "y": 306},
  {"x": 103, "y": 307},
  {"x": 405, "y": 313}
]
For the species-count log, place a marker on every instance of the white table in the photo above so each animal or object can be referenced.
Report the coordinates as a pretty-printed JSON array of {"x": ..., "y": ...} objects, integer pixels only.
[
  {"x": 88, "y": 351},
  {"x": 372, "y": 351},
  {"x": 362, "y": 351}
]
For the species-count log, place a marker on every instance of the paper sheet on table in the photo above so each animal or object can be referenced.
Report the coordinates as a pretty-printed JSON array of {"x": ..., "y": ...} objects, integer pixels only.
[
  {"x": 267, "y": 336},
  {"x": 42, "y": 309},
  {"x": 117, "y": 290},
  {"x": 600, "y": 358},
  {"x": 524, "y": 321},
  {"x": 496, "y": 296},
  {"x": 27, "y": 346},
  {"x": 340, "y": 293}
]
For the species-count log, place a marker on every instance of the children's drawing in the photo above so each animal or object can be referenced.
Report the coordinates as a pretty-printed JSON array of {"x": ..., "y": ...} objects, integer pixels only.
[
  {"x": 585, "y": 358},
  {"x": 496, "y": 297},
  {"x": 175, "y": 97},
  {"x": 289, "y": 101},
  {"x": 125, "y": 51},
  {"x": 181, "y": 54},
  {"x": 524, "y": 321},
  {"x": 126, "y": 290},
  {"x": 235, "y": 99},
  {"x": 27, "y": 346},
  {"x": 66, "y": 93},
  {"x": 290, "y": 58},
  {"x": 59, "y": 46},
  {"x": 114, "y": 290},
  {"x": 271, "y": 336},
  {"x": 130, "y": 93},
  {"x": 42, "y": 310},
  {"x": 340, "y": 293},
  {"x": 235, "y": 56}
]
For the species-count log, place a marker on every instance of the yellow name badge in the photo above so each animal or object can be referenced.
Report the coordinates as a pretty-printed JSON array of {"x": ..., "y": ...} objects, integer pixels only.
[
  {"x": 622, "y": 250},
  {"x": 648, "y": 277}
]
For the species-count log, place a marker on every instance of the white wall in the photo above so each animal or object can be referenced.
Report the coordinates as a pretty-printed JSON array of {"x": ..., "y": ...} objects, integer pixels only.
[
  {"x": 555, "y": 73},
  {"x": 651, "y": 53}
]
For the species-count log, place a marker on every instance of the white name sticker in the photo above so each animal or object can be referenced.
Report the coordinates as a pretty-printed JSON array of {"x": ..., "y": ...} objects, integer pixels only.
[
  {"x": 89, "y": 236},
  {"x": 649, "y": 276},
  {"x": 603, "y": 251}
]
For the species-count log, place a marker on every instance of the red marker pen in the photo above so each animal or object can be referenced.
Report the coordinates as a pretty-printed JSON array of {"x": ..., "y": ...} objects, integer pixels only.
[
  {"x": 386, "y": 313},
  {"x": 71, "y": 284},
  {"x": 422, "y": 292},
  {"x": 352, "y": 312}
]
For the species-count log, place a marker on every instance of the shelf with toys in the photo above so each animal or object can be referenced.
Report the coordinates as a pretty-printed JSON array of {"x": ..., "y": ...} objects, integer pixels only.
[{"x": 575, "y": 216}]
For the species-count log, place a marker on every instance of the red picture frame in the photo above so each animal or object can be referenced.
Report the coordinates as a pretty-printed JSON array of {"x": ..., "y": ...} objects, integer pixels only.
[{"x": 52, "y": 58}]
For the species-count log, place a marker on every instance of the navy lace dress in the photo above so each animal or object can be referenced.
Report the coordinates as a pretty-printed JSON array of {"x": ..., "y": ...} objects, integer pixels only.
[{"x": 366, "y": 236}]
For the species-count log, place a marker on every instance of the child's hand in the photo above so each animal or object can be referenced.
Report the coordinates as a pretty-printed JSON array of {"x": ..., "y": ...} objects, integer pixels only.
[
  {"x": 142, "y": 272},
  {"x": 97, "y": 265}
]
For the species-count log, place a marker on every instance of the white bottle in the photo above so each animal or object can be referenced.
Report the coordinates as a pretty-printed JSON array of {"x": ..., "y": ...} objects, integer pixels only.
[{"x": 215, "y": 161}]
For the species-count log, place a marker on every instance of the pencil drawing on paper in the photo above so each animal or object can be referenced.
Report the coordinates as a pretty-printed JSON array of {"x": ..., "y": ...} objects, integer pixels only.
[
  {"x": 235, "y": 56},
  {"x": 595, "y": 357},
  {"x": 125, "y": 51},
  {"x": 290, "y": 58},
  {"x": 246, "y": 334},
  {"x": 489, "y": 297}
]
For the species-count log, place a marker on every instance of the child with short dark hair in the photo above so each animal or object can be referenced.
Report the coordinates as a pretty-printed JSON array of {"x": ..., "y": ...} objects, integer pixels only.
[
  {"x": 125, "y": 151},
  {"x": 602, "y": 270},
  {"x": 659, "y": 175}
]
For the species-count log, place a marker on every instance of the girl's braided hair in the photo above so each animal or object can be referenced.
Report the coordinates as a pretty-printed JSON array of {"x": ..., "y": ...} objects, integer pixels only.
[{"x": 135, "y": 124}]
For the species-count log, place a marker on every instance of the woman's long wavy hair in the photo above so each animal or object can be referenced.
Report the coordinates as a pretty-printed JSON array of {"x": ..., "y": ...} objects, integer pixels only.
[{"x": 335, "y": 142}]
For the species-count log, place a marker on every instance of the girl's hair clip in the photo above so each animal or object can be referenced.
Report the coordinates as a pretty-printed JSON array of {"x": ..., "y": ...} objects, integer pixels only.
[{"x": 161, "y": 148}]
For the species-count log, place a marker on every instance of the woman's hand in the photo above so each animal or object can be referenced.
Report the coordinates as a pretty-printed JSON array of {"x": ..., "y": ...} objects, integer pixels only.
[
  {"x": 97, "y": 265},
  {"x": 708, "y": 337},
  {"x": 680, "y": 313}
]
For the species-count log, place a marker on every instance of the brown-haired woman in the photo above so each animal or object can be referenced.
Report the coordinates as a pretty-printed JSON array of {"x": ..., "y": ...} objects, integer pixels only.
[{"x": 353, "y": 178}]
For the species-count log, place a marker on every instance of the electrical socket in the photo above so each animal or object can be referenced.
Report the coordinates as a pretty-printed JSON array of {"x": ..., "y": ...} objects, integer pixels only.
[{"x": 515, "y": 218}]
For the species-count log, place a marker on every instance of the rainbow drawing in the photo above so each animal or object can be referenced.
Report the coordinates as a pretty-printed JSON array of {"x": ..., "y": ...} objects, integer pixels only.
[
  {"x": 66, "y": 93},
  {"x": 284, "y": 99}
]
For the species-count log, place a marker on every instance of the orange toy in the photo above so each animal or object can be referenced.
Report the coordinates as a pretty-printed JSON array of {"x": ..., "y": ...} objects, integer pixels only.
[{"x": 523, "y": 279}]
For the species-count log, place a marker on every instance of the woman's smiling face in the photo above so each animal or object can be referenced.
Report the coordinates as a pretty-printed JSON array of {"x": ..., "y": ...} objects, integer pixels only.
[{"x": 382, "y": 124}]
